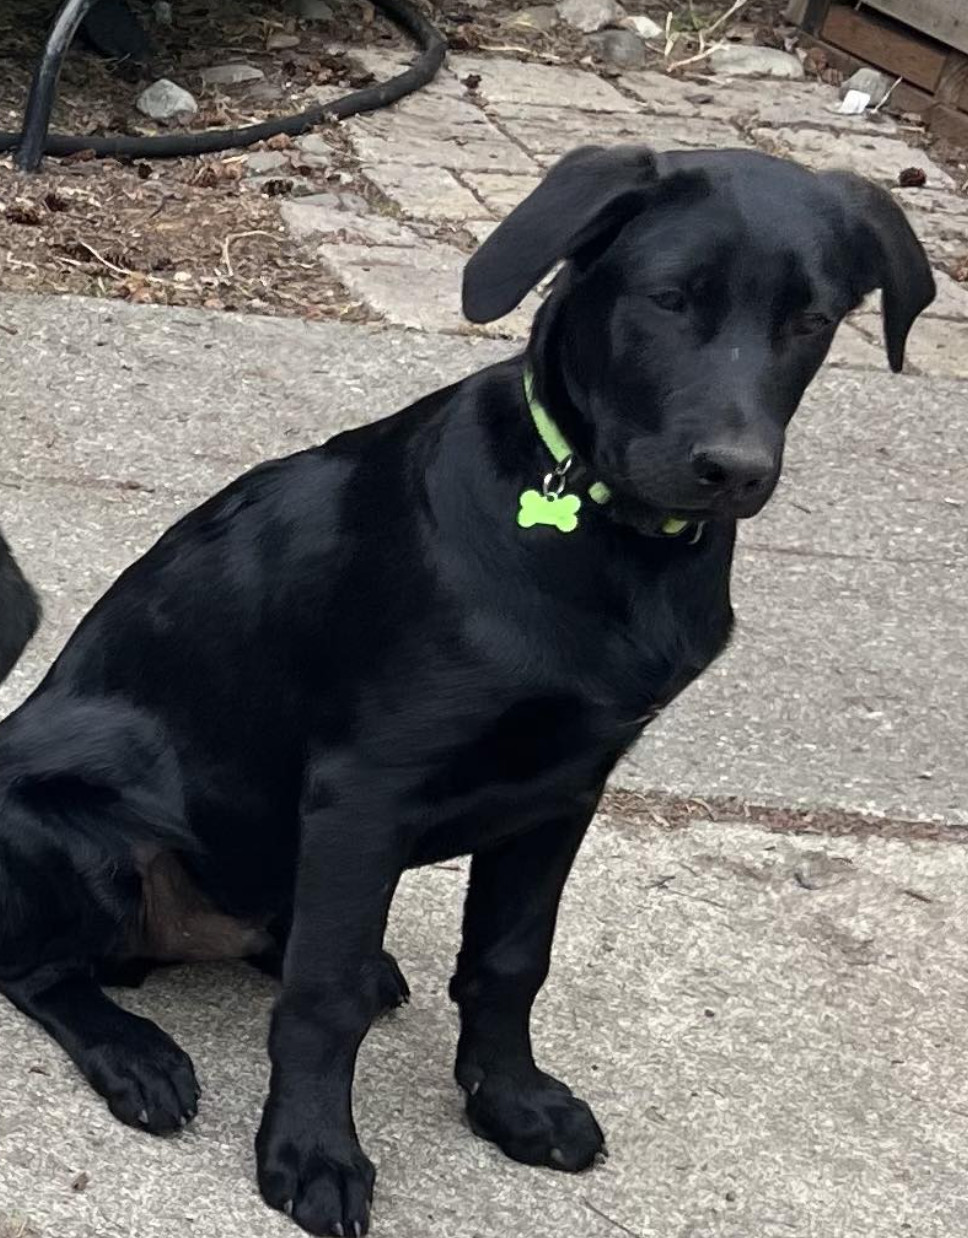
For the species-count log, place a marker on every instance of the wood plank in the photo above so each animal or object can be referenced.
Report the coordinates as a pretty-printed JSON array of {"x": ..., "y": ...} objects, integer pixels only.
[
  {"x": 905, "y": 98},
  {"x": 952, "y": 86},
  {"x": 947, "y": 122},
  {"x": 812, "y": 13},
  {"x": 945, "y": 20},
  {"x": 880, "y": 43}
]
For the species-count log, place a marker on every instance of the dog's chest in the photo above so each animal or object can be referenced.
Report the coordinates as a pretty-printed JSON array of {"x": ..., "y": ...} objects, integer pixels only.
[{"x": 542, "y": 743}]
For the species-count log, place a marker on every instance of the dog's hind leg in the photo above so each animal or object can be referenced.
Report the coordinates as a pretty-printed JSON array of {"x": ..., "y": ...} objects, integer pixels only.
[
  {"x": 146, "y": 1079},
  {"x": 90, "y": 806}
]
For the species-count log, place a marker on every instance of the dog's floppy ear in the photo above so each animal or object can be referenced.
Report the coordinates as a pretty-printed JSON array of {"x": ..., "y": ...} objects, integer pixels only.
[
  {"x": 19, "y": 610},
  {"x": 891, "y": 258},
  {"x": 589, "y": 191}
]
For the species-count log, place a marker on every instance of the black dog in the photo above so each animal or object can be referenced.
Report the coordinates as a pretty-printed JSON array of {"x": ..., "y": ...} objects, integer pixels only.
[
  {"x": 19, "y": 612},
  {"x": 432, "y": 636}
]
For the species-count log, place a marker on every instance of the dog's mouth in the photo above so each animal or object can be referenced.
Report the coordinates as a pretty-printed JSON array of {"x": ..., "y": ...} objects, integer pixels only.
[{"x": 648, "y": 512}]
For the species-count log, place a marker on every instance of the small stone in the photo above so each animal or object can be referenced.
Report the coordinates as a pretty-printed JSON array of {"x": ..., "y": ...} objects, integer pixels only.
[
  {"x": 746, "y": 60},
  {"x": 279, "y": 41},
  {"x": 312, "y": 10},
  {"x": 622, "y": 48},
  {"x": 262, "y": 161},
  {"x": 164, "y": 101},
  {"x": 162, "y": 12},
  {"x": 231, "y": 74},
  {"x": 541, "y": 17},
  {"x": 590, "y": 15},
  {"x": 644, "y": 27},
  {"x": 315, "y": 144},
  {"x": 870, "y": 82}
]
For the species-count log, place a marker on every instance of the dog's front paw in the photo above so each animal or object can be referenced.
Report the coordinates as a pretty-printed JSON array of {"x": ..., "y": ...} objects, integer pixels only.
[
  {"x": 320, "y": 1178},
  {"x": 392, "y": 988},
  {"x": 537, "y": 1121},
  {"x": 146, "y": 1079}
]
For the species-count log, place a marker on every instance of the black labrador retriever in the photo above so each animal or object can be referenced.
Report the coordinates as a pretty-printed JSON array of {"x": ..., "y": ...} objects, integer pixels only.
[
  {"x": 19, "y": 614},
  {"x": 432, "y": 636}
]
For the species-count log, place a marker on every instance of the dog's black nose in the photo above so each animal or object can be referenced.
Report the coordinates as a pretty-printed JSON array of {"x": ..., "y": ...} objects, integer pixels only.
[{"x": 733, "y": 467}]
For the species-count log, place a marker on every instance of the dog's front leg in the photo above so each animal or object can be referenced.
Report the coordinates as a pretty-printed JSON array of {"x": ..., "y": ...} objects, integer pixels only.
[
  {"x": 509, "y": 923},
  {"x": 310, "y": 1163}
]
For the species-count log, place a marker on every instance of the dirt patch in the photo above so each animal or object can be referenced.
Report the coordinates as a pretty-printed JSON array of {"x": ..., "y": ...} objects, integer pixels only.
[
  {"x": 196, "y": 232},
  {"x": 661, "y": 810}
]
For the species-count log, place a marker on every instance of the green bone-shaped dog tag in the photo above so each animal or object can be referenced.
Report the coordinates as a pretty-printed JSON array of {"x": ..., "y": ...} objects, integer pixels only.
[{"x": 559, "y": 512}]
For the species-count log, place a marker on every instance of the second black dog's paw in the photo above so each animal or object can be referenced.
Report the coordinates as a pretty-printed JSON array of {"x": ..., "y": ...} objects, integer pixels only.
[
  {"x": 392, "y": 984},
  {"x": 146, "y": 1079},
  {"x": 321, "y": 1179},
  {"x": 537, "y": 1121}
]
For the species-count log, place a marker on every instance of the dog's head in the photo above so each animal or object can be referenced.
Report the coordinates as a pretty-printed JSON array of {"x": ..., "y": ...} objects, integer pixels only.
[{"x": 701, "y": 291}]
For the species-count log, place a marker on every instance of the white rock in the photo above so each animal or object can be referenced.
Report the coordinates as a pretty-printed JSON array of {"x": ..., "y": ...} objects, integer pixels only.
[
  {"x": 644, "y": 27},
  {"x": 746, "y": 60},
  {"x": 590, "y": 15},
  {"x": 871, "y": 82},
  {"x": 231, "y": 74},
  {"x": 165, "y": 101},
  {"x": 260, "y": 162}
]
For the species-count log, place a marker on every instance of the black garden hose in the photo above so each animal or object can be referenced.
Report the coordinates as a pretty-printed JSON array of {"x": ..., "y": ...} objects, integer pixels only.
[{"x": 34, "y": 141}]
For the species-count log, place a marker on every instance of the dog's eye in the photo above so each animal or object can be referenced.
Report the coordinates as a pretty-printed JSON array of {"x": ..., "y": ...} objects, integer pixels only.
[
  {"x": 670, "y": 299},
  {"x": 807, "y": 324}
]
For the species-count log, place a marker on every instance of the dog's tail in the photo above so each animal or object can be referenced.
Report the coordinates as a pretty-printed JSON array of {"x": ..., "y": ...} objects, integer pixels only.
[{"x": 19, "y": 610}]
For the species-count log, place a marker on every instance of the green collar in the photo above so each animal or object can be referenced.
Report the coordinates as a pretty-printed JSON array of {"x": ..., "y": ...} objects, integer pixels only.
[{"x": 552, "y": 505}]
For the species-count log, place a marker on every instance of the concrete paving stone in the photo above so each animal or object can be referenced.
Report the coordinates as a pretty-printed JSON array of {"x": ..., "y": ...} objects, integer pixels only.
[
  {"x": 937, "y": 346},
  {"x": 548, "y": 133},
  {"x": 385, "y": 63},
  {"x": 480, "y": 229},
  {"x": 425, "y": 193},
  {"x": 704, "y": 96},
  {"x": 315, "y": 219},
  {"x": 452, "y": 115},
  {"x": 816, "y": 108},
  {"x": 388, "y": 279},
  {"x": 879, "y": 158},
  {"x": 851, "y": 347},
  {"x": 940, "y": 219},
  {"x": 396, "y": 137},
  {"x": 500, "y": 192},
  {"x": 766, "y": 1059},
  {"x": 950, "y": 302},
  {"x": 952, "y": 299},
  {"x": 933, "y": 201},
  {"x": 847, "y": 681},
  {"x": 513, "y": 81},
  {"x": 797, "y": 105}
]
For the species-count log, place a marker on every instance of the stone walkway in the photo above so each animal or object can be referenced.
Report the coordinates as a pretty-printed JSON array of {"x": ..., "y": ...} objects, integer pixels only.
[{"x": 452, "y": 160}]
